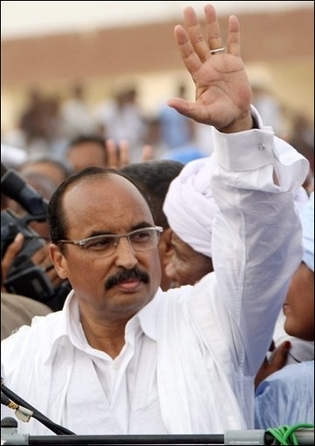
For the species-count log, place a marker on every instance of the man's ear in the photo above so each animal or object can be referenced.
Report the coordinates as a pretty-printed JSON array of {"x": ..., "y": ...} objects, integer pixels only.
[
  {"x": 59, "y": 261},
  {"x": 166, "y": 247},
  {"x": 166, "y": 250}
]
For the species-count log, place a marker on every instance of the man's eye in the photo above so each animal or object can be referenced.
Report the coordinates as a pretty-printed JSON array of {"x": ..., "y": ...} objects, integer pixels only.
[
  {"x": 141, "y": 237},
  {"x": 99, "y": 243}
]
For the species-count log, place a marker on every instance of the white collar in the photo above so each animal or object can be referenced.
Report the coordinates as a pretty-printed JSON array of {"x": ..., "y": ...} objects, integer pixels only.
[{"x": 145, "y": 319}]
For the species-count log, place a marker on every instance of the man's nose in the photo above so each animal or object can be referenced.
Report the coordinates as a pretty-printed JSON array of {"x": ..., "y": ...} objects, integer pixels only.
[{"x": 125, "y": 254}]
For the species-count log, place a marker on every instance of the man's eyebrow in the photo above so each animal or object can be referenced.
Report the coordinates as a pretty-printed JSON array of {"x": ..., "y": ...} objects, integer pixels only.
[{"x": 141, "y": 225}]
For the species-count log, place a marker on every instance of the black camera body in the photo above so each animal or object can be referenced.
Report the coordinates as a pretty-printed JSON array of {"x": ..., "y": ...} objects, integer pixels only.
[
  {"x": 11, "y": 225},
  {"x": 24, "y": 277}
]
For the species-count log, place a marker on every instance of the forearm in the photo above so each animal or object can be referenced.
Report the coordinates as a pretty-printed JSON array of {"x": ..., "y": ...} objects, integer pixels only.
[{"x": 256, "y": 236}]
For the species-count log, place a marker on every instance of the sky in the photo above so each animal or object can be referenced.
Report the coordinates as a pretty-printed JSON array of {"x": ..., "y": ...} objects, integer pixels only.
[{"x": 33, "y": 18}]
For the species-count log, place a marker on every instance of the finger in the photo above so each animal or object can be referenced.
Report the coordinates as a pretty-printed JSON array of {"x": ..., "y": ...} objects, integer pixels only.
[
  {"x": 41, "y": 256},
  {"x": 262, "y": 373},
  {"x": 279, "y": 357},
  {"x": 190, "y": 57},
  {"x": 13, "y": 249},
  {"x": 215, "y": 40},
  {"x": 124, "y": 154},
  {"x": 196, "y": 34},
  {"x": 53, "y": 276},
  {"x": 49, "y": 267},
  {"x": 15, "y": 246},
  {"x": 234, "y": 40},
  {"x": 147, "y": 153},
  {"x": 272, "y": 346},
  {"x": 197, "y": 112},
  {"x": 111, "y": 152}
]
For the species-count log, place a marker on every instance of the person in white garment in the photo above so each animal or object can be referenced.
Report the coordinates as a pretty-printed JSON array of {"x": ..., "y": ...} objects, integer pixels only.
[
  {"x": 124, "y": 357},
  {"x": 190, "y": 209},
  {"x": 286, "y": 397}
]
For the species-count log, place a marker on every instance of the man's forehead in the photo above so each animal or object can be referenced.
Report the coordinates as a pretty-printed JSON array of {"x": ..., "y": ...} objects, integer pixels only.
[
  {"x": 105, "y": 179},
  {"x": 111, "y": 185}
]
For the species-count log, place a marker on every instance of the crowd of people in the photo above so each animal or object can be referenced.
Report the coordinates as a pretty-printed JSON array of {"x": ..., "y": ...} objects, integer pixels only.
[
  {"x": 179, "y": 273},
  {"x": 53, "y": 125}
]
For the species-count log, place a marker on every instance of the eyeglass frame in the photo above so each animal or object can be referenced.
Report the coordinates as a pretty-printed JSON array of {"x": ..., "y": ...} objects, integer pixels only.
[{"x": 115, "y": 237}]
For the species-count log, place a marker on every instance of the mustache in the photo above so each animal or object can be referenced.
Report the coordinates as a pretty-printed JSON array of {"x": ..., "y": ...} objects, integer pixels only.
[{"x": 127, "y": 274}]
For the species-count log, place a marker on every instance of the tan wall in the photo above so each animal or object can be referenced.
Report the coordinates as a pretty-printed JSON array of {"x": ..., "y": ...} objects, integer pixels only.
[{"x": 282, "y": 44}]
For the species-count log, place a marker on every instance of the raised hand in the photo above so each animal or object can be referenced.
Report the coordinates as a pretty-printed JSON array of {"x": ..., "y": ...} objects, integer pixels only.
[
  {"x": 10, "y": 254},
  {"x": 41, "y": 258},
  {"x": 223, "y": 93},
  {"x": 118, "y": 155},
  {"x": 276, "y": 362}
]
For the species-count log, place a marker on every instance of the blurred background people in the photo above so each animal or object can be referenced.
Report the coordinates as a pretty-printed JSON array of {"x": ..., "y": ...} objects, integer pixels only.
[
  {"x": 12, "y": 156},
  {"x": 86, "y": 150},
  {"x": 269, "y": 106},
  {"x": 50, "y": 166},
  {"x": 122, "y": 118},
  {"x": 75, "y": 113},
  {"x": 178, "y": 132}
]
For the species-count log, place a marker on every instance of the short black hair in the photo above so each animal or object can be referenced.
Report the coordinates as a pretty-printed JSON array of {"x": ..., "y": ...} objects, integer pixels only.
[
  {"x": 56, "y": 216},
  {"x": 84, "y": 138},
  {"x": 62, "y": 164},
  {"x": 154, "y": 177}
]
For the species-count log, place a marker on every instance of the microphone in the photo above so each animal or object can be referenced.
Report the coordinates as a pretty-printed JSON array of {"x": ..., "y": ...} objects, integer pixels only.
[
  {"x": 5, "y": 400},
  {"x": 14, "y": 186},
  {"x": 25, "y": 412}
]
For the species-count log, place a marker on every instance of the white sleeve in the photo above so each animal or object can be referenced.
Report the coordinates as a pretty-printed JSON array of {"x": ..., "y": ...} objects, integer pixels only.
[{"x": 256, "y": 240}]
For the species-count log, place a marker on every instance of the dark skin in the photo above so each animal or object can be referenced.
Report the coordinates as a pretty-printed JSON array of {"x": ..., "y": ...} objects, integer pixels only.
[
  {"x": 299, "y": 312},
  {"x": 223, "y": 98},
  {"x": 165, "y": 252},
  {"x": 186, "y": 265},
  {"x": 40, "y": 258},
  {"x": 299, "y": 305}
]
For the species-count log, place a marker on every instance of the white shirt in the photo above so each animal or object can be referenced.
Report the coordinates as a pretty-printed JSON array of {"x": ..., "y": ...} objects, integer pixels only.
[
  {"x": 119, "y": 380},
  {"x": 192, "y": 353}
]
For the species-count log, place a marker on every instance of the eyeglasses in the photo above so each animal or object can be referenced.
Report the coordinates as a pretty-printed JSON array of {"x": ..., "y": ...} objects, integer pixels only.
[{"x": 140, "y": 240}]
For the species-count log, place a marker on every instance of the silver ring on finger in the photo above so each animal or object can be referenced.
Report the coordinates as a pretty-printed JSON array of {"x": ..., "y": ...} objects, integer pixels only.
[{"x": 218, "y": 50}]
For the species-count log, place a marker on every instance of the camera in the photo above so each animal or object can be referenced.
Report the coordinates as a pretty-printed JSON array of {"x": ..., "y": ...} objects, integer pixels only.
[{"x": 24, "y": 277}]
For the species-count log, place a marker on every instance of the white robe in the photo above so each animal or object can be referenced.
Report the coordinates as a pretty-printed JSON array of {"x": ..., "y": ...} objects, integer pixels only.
[{"x": 203, "y": 344}]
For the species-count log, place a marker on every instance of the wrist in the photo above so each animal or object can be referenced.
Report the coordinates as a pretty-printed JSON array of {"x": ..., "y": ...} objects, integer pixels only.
[{"x": 247, "y": 122}]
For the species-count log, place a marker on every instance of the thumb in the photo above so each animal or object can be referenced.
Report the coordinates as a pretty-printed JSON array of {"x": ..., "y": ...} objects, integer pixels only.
[{"x": 279, "y": 356}]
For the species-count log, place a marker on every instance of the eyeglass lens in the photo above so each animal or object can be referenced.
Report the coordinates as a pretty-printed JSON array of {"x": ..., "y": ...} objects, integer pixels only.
[{"x": 140, "y": 240}]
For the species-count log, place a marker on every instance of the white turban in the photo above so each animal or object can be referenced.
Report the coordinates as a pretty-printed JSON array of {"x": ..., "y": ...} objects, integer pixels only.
[
  {"x": 307, "y": 219},
  {"x": 190, "y": 207}
]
